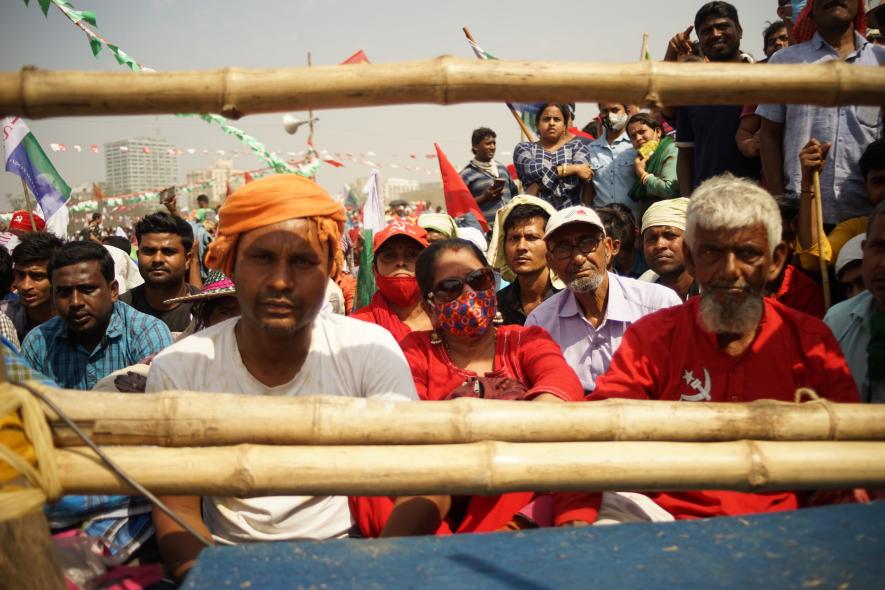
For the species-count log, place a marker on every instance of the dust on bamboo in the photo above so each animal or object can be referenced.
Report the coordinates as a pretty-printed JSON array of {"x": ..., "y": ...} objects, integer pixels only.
[
  {"x": 235, "y": 92},
  {"x": 180, "y": 418},
  {"x": 478, "y": 468}
]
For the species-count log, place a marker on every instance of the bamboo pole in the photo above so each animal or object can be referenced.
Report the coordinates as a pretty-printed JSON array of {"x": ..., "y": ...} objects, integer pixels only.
[
  {"x": 208, "y": 419},
  {"x": 819, "y": 230},
  {"x": 644, "y": 49},
  {"x": 29, "y": 205},
  {"x": 478, "y": 468},
  {"x": 235, "y": 92}
]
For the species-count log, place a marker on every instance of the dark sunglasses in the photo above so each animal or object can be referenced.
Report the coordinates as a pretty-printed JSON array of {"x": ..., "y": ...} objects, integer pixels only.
[{"x": 450, "y": 289}]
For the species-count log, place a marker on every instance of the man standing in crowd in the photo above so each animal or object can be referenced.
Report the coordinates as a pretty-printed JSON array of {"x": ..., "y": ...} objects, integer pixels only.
[
  {"x": 92, "y": 231},
  {"x": 859, "y": 322},
  {"x": 705, "y": 134},
  {"x": 278, "y": 240},
  {"x": 774, "y": 38},
  {"x": 731, "y": 344},
  {"x": 523, "y": 258},
  {"x": 488, "y": 180},
  {"x": 825, "y": 31},
  {"x": 588, "y": 320},
  {"x": 164, "y": 257},
  {"x": 612, "y": 156},
  {"x": 663, "y": 228},
  {"x": 30, "y": 273}
]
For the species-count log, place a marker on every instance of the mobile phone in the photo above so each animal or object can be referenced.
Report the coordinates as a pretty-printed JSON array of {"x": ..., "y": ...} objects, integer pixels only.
[{"x": 499, "y": 183}]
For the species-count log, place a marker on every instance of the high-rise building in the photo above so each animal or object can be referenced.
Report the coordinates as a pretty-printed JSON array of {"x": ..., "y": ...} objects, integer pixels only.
[
  {"x": 140, "y": 164},
  {"x": 218, "y": 177}
]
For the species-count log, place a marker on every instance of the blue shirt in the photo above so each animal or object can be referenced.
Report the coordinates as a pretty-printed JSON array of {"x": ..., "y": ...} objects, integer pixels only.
[
  {"x": 130, "y": 337},
  {"x": 849, "y": 130},
  {"x": 850, "y": 323},
  {"x": 614, "y": 172},
  {"x": 589, "y": 350}
]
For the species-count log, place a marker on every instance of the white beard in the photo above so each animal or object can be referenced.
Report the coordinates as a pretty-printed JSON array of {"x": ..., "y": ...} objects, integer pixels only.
[
  {"x": 586, "y": 284},
  {"x": 731, "y": 317}
]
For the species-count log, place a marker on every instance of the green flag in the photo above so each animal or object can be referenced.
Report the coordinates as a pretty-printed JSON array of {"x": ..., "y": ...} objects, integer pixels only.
[{"x": 365, "y": 280}]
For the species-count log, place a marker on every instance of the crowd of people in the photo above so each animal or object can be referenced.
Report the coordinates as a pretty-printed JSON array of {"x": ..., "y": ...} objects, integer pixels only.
[{"x": 664, "y": 254}]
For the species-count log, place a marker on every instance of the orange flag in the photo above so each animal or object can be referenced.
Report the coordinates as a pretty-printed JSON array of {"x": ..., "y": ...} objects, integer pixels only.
[{"x": 458, "y": 198}]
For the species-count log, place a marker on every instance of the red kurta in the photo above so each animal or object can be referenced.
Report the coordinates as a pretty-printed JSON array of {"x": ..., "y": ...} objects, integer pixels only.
[
  {"x": 379, "y": 312},
  {"x": 669, "y": 356},
  {"x": 526, "y": 354},
  {"x": 798, "y": 291}
]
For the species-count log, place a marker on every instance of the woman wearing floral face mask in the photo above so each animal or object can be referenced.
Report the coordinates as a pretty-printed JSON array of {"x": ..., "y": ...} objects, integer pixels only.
[
  {"x": 395, "y": 306},
  {"x": 467, "y": 354},
  {"x": 556, "y": 168}
]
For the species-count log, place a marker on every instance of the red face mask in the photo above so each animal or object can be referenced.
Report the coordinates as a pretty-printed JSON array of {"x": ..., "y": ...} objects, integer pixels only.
[{"x": 401, "y": 291}]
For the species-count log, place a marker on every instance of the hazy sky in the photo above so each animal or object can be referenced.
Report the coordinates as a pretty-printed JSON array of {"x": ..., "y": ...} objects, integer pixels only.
[{"x": 196, "y": 34}]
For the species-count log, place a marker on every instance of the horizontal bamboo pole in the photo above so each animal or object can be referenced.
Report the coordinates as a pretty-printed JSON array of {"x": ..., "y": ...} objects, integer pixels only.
[
  {"x": 235, "y": 92},
  {"x": 208, "y": 419},
  {"x": 478, "y": 468}
]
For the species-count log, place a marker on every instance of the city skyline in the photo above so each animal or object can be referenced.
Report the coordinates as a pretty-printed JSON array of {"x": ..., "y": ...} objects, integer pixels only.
[{"x": 168, "y": 35}]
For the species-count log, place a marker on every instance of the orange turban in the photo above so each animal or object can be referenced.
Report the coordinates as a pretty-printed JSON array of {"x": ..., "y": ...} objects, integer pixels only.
[{"x": 271, "y": 200}]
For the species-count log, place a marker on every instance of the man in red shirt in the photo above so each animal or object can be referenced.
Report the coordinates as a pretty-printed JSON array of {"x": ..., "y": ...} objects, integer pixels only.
[{"x": 731, "y": 344}]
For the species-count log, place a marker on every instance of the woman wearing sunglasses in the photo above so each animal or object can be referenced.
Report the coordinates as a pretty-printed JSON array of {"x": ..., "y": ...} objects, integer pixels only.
[{"x": 467, "y": 354}]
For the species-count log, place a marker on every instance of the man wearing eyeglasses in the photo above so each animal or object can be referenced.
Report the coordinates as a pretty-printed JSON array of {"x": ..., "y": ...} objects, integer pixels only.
[{"x": 588, "y": 320}]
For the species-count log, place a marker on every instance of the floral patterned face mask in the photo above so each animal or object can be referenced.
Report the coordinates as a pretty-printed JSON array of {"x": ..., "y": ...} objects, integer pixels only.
[{"x": 470, "y": 315}]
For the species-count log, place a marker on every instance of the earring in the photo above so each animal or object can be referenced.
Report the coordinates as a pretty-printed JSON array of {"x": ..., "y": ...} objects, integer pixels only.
[{"x": 435, "y": 338}]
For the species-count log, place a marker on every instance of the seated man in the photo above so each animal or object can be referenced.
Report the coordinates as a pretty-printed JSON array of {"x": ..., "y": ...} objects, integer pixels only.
[
  {"x": 520, "y": 254},
  {"x": 92, "y": 336},
  {"x": 278, "y": 239},
  {"x": 30, "y": 260},
  {"x": 663, "y": 228},
  {"x": 859, "y": 322},
  {"x": 164, "y": 258},
  {"x": 589, "y": 318},
  {"x": 731, "y": 344}
]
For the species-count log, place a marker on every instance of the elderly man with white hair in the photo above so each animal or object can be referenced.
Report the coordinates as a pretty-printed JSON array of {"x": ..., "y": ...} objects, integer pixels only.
[{"x": 731, "y": 344}]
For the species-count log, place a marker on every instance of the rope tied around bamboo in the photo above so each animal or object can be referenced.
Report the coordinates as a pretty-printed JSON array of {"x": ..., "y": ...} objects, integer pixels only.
[{"x": 25, "y": 438}]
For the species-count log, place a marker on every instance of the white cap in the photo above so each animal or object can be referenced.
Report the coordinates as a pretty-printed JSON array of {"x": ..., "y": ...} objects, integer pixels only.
[
  {"x": 576, "y": 214},
  {"x": 850, "y": 252}
]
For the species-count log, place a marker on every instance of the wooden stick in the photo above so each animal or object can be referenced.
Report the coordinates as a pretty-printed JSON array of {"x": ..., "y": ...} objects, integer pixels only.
[
  {"x": 644, "y": 49},
  {"x": 310, "y": 121},
  {"x": 478, "y": 468},
  {"x": 29, "y": 204},
  {"x": 235, "y": 92},
  {"x": 204, "y": 419},
  {"x": 819, "y": 229},
  {"x": 523, "y": 128}
]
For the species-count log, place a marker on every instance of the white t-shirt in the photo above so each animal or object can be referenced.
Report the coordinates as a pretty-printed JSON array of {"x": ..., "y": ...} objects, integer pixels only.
[{"x": 347, "y": 357}]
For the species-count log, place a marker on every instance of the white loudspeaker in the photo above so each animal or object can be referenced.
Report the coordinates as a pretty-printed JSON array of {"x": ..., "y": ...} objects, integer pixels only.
[{"x": 291, "y": 123}]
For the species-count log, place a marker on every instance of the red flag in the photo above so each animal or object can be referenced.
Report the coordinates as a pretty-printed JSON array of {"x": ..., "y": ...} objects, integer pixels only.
[
  {"x": 458, "y": 198},
  {"x": 357, "y": 58},
  {"x": 247, "y": 178},
  {"x": 98, "y": 193},
  {"x": 334, "y": 163}
]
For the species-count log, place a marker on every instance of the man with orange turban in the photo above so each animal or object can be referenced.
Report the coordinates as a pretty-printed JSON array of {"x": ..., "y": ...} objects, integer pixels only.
[{"x": 278, "y": 239}]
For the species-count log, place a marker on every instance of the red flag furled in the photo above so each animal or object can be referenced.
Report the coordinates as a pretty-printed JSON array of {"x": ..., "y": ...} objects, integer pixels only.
[
  {"x": 458, "y": 198},
  {"x": 357, "y": 58}
]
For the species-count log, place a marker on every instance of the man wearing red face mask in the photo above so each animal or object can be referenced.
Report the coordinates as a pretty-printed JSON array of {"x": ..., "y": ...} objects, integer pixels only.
[{"x": 395, "y": 306}]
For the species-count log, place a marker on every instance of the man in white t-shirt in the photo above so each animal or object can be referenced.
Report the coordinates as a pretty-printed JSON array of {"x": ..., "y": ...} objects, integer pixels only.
[{"x": 278, "y": 239}]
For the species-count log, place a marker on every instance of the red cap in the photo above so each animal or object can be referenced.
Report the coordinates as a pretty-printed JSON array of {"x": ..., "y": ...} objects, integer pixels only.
[
  {"x": 400, "y": 227},
  {"x": 21, "y": 221}
]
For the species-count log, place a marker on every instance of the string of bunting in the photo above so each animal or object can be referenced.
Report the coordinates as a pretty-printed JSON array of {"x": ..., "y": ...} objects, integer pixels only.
[{"x": 82, "y": 18}]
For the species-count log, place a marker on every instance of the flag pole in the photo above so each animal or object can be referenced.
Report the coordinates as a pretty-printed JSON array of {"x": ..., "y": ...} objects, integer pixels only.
[
  {"x": 310, "y": 112},
  {"x": 522, "y": 126},
  {"x": 644, "y": 50},
  {"x": 819, "y": 229},
  {"x": 30, "y": 205}
]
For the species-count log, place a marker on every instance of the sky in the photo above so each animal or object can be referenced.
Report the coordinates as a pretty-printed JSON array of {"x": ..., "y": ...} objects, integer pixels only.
[{"x": 199, "y": 35}]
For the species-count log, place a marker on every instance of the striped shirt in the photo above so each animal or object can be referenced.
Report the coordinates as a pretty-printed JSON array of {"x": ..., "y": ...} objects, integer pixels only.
[{"x": 130, "y": 337}]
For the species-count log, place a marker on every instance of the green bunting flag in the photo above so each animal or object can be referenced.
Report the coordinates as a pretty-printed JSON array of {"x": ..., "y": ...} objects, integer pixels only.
[{"x": 365, "y": 280}]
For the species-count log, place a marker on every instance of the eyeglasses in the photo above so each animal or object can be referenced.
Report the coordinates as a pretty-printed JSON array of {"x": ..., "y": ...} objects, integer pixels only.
[
  {"x": 449, "y": 289},
  {"x": 585, "y": 246}
]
